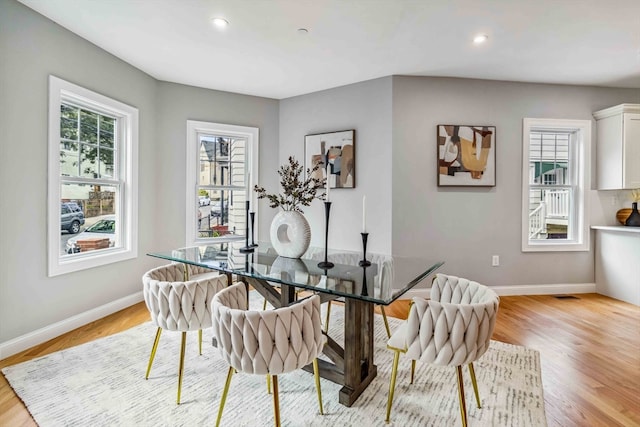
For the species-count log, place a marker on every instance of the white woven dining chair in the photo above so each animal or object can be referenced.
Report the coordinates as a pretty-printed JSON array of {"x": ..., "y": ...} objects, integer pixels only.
[
  {"x": 179, "y": 299},
  {"x": 453, "y": 328},
  {"x": 266, "y": 342}
]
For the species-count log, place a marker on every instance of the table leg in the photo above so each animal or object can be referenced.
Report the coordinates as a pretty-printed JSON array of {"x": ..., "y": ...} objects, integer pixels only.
[
  {"x": 287, "y": 295},
  {"x": 359, "y": 369},
  {"x": 267, "y": 291}
]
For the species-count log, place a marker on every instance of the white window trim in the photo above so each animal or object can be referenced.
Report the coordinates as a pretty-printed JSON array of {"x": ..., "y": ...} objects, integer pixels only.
[
  {"x": 127, "y": 208},
  {"x": 583, "y": 179},
  {"x": 251, "y": 134}
]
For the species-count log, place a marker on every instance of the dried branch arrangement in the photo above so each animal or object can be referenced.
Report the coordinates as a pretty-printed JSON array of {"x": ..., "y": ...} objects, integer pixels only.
[{"x": 296, "y": 191}]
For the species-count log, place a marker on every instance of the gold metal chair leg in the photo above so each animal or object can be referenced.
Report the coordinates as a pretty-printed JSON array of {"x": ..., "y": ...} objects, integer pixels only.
[
  {"x": 153, "y": 352},
  {"x": 392, "y": 384},
  {"x": 475, "y": 384},
  {"x": 268, "y": 384},
  {"x": 183, "y": 344},
  {"x": 276, "y": 401},
  {"x": 463, "y": 407},
  {"x": 413, "y": 370},
  {"x": 386, "y": 322},
  {"x": 224, "y": 395},
  {"x": 264, "y": 304},
  {"x": 326, "y": 323},
  {"x": 316, "y": 374},
  {"x": 200, "y": 341}
]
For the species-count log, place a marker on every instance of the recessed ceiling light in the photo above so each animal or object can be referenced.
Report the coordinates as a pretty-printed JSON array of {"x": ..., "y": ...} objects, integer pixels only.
[
  {"x": 303, "y": 31},
  {"x": 220, "y": 22},
  {"x": 480, "y": 38}
]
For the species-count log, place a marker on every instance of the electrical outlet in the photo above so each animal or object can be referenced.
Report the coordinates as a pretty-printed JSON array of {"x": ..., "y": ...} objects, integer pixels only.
[{"x": 495, "y": 260}]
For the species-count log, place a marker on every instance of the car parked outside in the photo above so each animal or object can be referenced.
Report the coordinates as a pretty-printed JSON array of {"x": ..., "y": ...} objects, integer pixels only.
[
  {"x": 106, "y": 227},
  {"x": 71, "y": 217},
  {"x": 216, "y": 211},
  {"x": 204, "y": 200}
]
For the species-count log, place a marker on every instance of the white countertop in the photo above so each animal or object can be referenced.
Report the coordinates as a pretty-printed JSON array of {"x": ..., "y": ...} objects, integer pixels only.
[{"x": 621, "y": 228}]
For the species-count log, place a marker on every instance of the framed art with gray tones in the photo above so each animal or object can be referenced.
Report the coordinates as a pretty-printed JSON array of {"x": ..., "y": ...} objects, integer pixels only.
[{"x": 335, "y": 153}]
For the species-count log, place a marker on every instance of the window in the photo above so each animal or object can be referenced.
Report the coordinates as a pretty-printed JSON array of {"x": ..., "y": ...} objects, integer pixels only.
[
  {"x": 556, "y": 160},
  {"x": 221, "y": 159},
  {"x": 92, "y": 179}
]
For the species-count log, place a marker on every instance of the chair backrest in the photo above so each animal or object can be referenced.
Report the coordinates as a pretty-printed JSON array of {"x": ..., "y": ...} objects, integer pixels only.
[
  {"x": 266, "y": 341},
  {"x": 455, "y": 326},
  {"x": 457, "y": 290},
  {"x": 176, "y": 304}
]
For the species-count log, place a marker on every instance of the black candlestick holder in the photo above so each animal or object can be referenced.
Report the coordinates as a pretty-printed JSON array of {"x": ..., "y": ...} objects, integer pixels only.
[
  {"x": 364, "y": 262},
  {"x": 326, "y": 264},
  {"x": 248, "y": 263},
  {"x": 252, "y": 216},
  {"x": 246, "y": 249},
  {"x": 365, "y": 290}
]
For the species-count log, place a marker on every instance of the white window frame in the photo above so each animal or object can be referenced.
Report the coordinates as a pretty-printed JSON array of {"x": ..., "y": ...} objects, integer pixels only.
[
  {"x": 194, "y": 128},
  {"x": 581, "y": 165},
  {"x": 127, "y": 167}
]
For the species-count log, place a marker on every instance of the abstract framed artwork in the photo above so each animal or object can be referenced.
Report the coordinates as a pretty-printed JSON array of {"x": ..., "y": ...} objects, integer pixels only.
[
  {"x": 335, "y": 153},
  {"x": 466, "y": 156}
]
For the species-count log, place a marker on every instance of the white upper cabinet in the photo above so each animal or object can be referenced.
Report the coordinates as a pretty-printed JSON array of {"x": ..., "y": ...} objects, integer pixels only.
[{"x": 618, "y": 147}]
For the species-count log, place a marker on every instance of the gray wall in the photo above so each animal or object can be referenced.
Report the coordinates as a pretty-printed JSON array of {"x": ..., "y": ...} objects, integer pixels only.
[
  {"x": 31, "y": 48},
  {"x": 365, "y": 107},
  {"x": 466, "y": 226},
  {"x": 179, "y": 103}
]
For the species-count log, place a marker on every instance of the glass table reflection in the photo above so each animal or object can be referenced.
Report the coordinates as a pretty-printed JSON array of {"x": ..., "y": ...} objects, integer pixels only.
[
  {"x": 278, "y": 278},
  {"x": 385, "y": 280}
]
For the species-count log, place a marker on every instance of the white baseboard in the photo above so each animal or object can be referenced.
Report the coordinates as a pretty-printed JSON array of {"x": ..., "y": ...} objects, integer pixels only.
[
  {"x": 21, "y": 343},
  {"x": 553, "y": 289}
]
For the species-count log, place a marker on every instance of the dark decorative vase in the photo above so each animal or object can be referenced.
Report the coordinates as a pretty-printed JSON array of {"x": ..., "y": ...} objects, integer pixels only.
[{"x": 634, "y": 218}]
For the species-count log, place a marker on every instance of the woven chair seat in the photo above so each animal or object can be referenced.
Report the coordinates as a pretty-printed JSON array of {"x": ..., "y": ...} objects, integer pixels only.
[
  {"x": 179, "y": 305},
  {"x": 270, "y": 342},
  {"x": 267, "y": 341},
  {"x": 453, "y": 328}
]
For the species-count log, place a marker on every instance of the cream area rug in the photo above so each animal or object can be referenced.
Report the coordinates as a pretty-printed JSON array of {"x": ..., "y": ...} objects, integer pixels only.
[{"x": 102, "y": 383}]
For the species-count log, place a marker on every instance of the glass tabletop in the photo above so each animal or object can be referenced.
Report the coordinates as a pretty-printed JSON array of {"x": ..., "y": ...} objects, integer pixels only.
[{"x": 382, "y": 282}]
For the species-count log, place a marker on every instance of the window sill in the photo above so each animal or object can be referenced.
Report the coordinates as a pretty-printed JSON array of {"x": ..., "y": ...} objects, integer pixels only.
[{"x": 558, "y": 247}]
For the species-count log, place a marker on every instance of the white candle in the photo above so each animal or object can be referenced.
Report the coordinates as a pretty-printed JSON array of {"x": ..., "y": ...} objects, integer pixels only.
[
  {"x": 364, "y": 214},
  {"x": 328, "y": 188},
  {"x": 250, "y": 195}
]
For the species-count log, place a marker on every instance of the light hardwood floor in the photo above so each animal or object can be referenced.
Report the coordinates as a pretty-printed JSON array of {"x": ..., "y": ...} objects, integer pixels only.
[{"x": 589, "y": 346}]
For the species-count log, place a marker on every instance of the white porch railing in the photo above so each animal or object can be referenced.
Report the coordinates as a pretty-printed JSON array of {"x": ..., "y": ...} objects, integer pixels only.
[
  {"x": 557, "y": 202},
  {"x": 537, "y": 221},
  {"x": 552, "y": 209}
]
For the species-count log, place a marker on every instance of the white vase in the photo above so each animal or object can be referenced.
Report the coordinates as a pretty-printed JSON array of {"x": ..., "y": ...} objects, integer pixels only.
[{"x": 290, "y": 234}]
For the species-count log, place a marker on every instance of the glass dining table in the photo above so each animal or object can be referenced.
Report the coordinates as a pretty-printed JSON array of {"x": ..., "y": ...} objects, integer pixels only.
[{"x": 361, "y": 285}]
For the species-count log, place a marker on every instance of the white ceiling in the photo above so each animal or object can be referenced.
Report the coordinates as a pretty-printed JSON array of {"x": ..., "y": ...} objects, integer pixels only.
[{"x": 582, "y": 42}]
